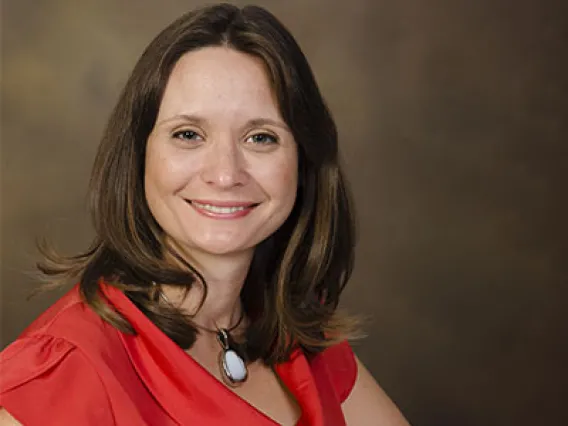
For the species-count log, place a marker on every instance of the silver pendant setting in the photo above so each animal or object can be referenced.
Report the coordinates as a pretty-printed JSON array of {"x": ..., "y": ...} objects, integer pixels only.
[{"x": 233, "y": 367}]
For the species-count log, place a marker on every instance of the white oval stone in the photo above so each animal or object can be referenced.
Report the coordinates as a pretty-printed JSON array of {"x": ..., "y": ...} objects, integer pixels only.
[{"x": 234, "y": 366}]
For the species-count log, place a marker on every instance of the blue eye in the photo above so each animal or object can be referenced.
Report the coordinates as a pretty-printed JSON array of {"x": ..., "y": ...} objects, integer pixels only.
[
  {"x": 186, "y": 135},
  {"x": 263, "y": 139}
]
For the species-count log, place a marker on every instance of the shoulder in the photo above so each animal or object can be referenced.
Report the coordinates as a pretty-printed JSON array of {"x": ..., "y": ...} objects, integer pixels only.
[
  {"x": 71, "y": 320},
  {"x": 363, "y": 402},
  {"x": 368, "y": 401},
  {"x": 338, "y": 363},
  {"x": 49, "y": 376},
  {"x": 51, "y": 369}
]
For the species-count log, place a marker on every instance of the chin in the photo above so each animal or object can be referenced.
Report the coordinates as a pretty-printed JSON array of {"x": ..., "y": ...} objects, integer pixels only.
[
  {"x": 218, "y": 250},
  {"x": 221, "y": 248}
]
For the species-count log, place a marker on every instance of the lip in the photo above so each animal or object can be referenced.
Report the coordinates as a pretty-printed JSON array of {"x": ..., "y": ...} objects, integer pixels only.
[
  {"x": 218, "y": 203},
  {"x": 247, "y": 208}
]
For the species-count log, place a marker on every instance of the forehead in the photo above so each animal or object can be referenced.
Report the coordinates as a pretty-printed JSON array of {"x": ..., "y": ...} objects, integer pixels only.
[{"x": 215, "y": 79}]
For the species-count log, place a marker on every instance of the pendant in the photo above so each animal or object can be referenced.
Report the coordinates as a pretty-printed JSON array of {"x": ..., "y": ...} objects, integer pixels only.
[{"x": 232, "y": 366}]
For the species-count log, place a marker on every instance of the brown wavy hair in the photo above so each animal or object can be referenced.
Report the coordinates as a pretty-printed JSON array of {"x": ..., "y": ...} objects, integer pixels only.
[{"x": 297, "y": 275}]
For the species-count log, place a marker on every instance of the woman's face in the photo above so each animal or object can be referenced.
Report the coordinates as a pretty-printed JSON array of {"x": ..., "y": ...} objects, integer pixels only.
[{"x": 221, "y": 164}]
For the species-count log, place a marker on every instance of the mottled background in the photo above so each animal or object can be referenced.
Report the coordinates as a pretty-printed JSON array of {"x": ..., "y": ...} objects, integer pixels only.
[{"x": 453, "y": 122}]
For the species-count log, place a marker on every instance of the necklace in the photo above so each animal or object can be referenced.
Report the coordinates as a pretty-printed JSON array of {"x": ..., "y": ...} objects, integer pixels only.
[{"x": 232, "y": 366}]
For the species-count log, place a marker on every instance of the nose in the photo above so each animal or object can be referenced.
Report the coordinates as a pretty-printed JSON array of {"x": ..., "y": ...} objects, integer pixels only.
[{"x": 224, "y": 165}]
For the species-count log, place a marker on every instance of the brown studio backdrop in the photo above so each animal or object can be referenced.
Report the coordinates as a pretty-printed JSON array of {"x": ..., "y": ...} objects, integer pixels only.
[{"x": 452, "y": 116}]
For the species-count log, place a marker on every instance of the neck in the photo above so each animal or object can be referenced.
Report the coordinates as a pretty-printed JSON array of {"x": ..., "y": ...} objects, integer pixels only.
[{"x": 224, "y": 277}]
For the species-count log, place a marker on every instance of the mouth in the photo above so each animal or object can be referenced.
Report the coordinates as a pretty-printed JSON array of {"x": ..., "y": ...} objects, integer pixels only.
[{"x": 223, "y": 209}]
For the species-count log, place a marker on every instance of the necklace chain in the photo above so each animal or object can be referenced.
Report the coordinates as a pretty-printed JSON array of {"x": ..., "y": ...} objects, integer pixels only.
[
  {"x": 201, "y": 327},
  {"x": 232, "y": 366}
]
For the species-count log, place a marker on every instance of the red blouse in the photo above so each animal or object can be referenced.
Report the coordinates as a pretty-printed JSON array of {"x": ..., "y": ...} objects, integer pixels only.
[{"x": 70, "y": 367}]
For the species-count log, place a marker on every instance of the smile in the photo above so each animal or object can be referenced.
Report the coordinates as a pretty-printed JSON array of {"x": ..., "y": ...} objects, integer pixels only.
[
  {"x": 217, "y": 209},
  {"x": 225, "y": 211}
]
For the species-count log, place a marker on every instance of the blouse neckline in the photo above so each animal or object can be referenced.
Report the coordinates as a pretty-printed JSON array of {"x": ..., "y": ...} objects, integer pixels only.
[{"x": 192, "y": 395}]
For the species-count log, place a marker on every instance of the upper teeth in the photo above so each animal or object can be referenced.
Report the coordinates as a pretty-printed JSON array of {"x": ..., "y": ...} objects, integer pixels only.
[{"x": 217, "y": 209}]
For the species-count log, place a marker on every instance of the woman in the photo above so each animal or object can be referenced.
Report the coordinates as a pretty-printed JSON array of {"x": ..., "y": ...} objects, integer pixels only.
[{"x": 224, "y": 240}]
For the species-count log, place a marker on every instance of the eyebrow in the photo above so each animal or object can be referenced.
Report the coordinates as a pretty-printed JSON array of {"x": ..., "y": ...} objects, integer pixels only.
[{"x": 255, "y": 122}]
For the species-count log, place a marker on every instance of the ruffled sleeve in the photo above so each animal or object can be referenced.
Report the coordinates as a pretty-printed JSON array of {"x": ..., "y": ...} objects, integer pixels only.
[{"x": 45, "y": 380}]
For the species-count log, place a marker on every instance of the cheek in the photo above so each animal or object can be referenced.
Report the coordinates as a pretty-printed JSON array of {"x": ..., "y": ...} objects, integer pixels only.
[
  {"x": 156, "y": 183},
  {"x": 153, "y": 187},
  {"x": 165, "y": 174},
  {"x": 282, "y": 179}
]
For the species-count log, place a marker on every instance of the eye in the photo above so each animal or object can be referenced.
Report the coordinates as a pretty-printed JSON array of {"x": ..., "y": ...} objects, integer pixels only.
[
  {"x": 186, "y": 135},
  {"x": 263, "y": 139}
]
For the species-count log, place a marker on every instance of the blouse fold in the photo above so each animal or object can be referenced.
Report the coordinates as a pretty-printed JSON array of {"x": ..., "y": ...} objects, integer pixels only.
[{"x": 71, "y": 367}]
